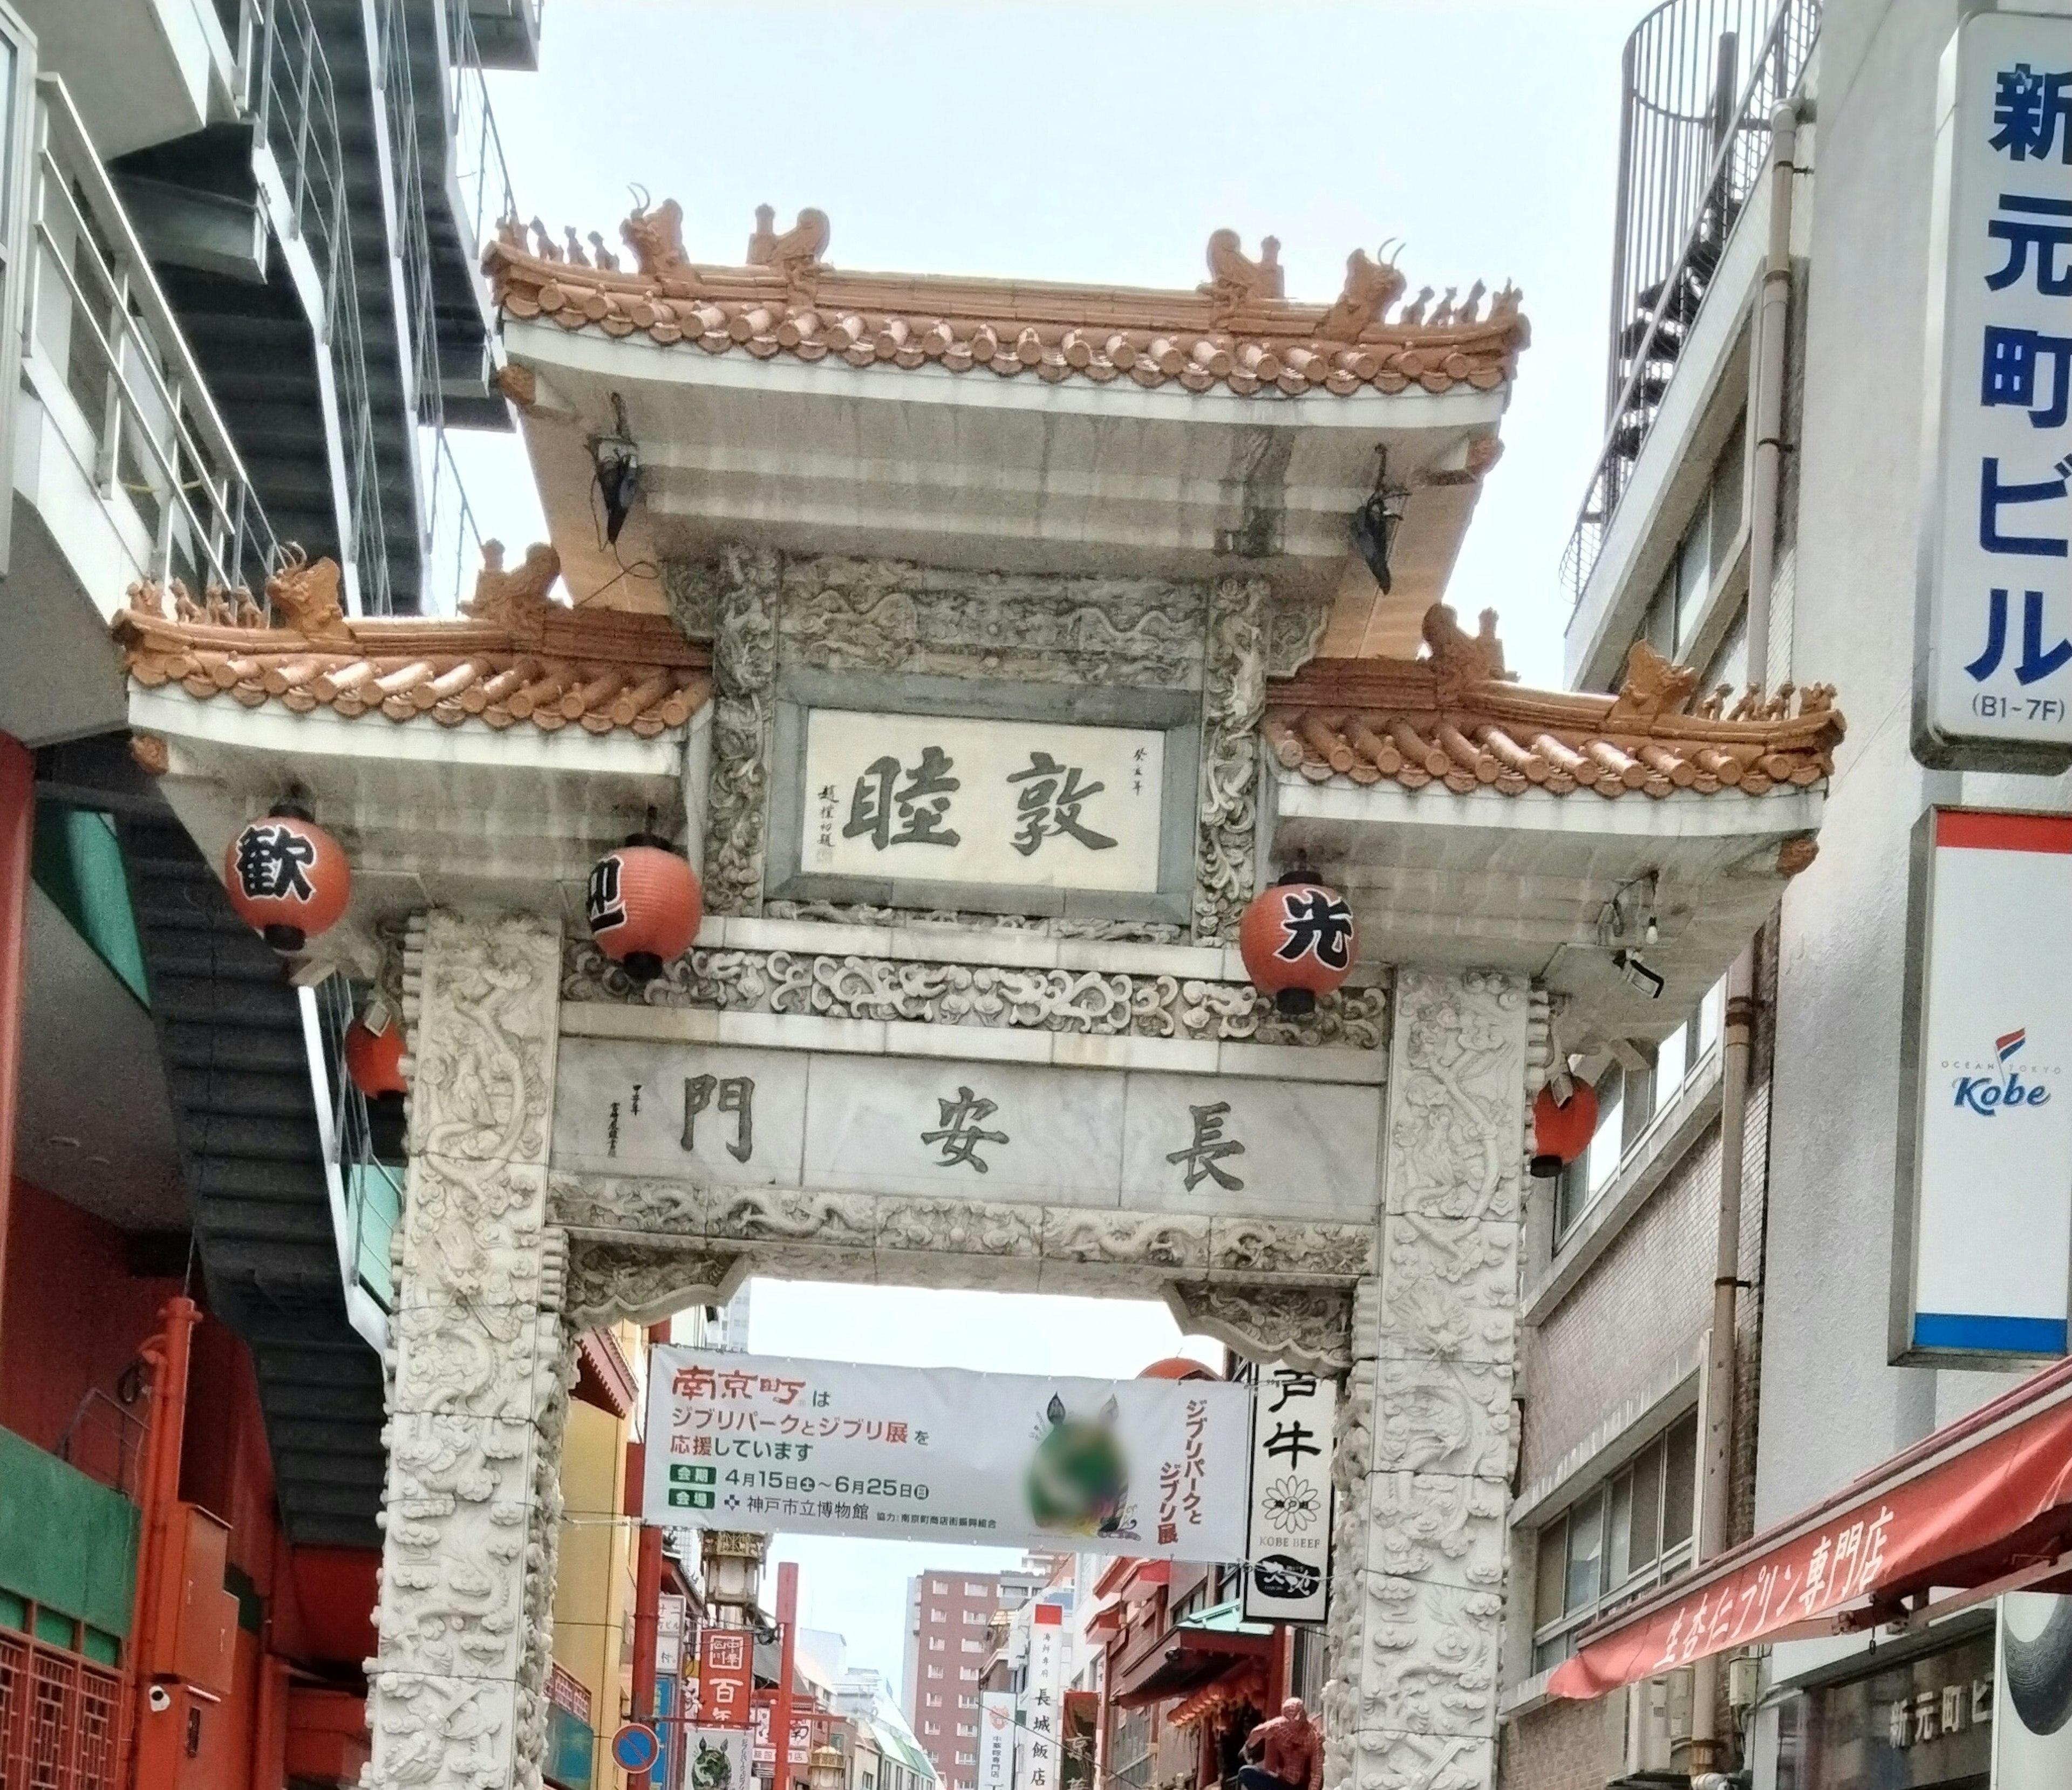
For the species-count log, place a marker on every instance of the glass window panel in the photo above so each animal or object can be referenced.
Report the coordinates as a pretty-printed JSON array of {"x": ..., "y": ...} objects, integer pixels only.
[
  {"x": 1603, "y": 1155},
  {"x": 1551, "y": 1652},
  {"x": 1679, "y": 1482},
  {"x": 1586, "y": 1548},
  {"x": 1694, "y": 577},
  {"x": 1646, "y": 1538},
  {"x": 1617, "y": 1558},
  {"x": 1546, "y": 1588},
  {"x": 1727, "y": 474},
  {"x": 1671, "y": 1059},
  {"x": 1711, "y": 1014}
]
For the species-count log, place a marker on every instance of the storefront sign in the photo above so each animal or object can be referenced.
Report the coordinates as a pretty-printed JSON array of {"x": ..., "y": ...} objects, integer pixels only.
[
  {"x": 719, "y": 1760},
  {"x": 727, "y": 1659},
  {"x": 1288, "y": 1527},
  {"x": 1146, "y": 1466},
  {"x": 571, "y": 1741},
  {"x": 1010, "y": 804},
  {"x": 1993, "y": 688},
  {"x": 996, "y": 1739},
  {"x": 1037, "y": 1714},
  {"x": 1986, "y": 1156},
  {"x": 669, "y": 1634},
  {"x": 1925, "y": 1723}
]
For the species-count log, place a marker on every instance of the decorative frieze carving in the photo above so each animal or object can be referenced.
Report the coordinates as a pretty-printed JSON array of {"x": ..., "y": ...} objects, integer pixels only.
[
  {"x": 478, "y": 1368},
  {"x": 1233, "y": 701},
  {"x": 744, "y": 667},
  {"x": 608, "y": 1282},
  {"x": 886, "y": 615},
  {"x": 1088, "y": 1002},
  {"x": 1304, "y": 1326},
  {"x": 1294, "y": 631},
  {"x": 1427, "y": 1442}
]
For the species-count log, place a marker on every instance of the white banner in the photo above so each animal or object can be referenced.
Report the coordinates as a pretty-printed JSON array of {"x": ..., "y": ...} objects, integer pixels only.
[
  {"x": 669, "y": 1634},
  {"x": 2032, "y": 1711},
  {"x": 1289, "y": 1532},
  {"x": 1039, "y": 1714},
  {"x": 718, "y": 1759},
  {"x": 1994, "y": 687},
  {"x": 1153, "y": 1467},
  {"x": 1991, "y": 1131},
  {"x": 996, "y": 1739}
]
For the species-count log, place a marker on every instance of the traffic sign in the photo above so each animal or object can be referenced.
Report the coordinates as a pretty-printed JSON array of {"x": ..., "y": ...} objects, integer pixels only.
[{"x": 636, "y": 1748}]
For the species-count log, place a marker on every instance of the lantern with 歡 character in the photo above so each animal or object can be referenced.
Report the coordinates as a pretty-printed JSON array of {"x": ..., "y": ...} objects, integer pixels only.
[
  {"x": 1562, "y": 1129},
  {"x": 1298, "y": 941},
  {"x": 644, "y": 906},
  {"x": 288, "y": 879}
]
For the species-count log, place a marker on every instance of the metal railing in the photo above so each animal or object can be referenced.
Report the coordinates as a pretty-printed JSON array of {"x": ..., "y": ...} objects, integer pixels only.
[
  {"x": 480, "y": 174},
  {"x": 94, "y": 310},
  {"x": 368, "y": 1185},
  {"x": 1694, "y": 134},
  {"x": 290, "y": 96}
]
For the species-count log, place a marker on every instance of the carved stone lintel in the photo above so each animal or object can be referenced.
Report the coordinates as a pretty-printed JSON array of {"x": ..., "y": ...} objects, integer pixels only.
[
  {"x": 859, "y": 913},
  {"x": 1304, "y": 1326},
  {"x": 1093, "y": 1002},
  {"x": 744, "y": 667},
  {"x": 610, "y": 1281},
  {"x": 1294, "y": 631},
  {"x": 1232, "y": 703}
]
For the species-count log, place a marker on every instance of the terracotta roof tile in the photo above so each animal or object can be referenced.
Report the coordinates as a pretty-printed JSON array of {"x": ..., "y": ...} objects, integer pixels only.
[
  {"x": 1455, "y": 718},
  {"x": 515, "y": 658},
  {"x": 1236, "y": 331}
]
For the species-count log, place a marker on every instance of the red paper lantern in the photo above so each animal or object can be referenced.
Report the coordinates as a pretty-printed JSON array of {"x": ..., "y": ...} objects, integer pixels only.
[
  {"x": 1298, "y": 941},
  {"x": 374, "y": 1053},
  {"x": 643, "y": 906},
  {"x": 288, "y": 879},
  {"x": 1562, "y": 1130},
  {"x": 1177, "y": 1367}
]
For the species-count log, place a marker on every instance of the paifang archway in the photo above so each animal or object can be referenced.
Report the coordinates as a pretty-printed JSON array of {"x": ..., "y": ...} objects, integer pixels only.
[{"x": 923, "y": 1037}]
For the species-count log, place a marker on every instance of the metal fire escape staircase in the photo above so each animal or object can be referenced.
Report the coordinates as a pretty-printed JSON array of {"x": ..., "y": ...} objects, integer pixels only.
[{"x": 234, "y": 1043}]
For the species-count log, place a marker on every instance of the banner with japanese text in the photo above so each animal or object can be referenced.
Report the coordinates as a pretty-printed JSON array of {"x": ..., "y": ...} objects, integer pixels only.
[
  {"x": 726, "y": 1676},
  {"x": 1288, "y": 1529},
  {"x": 996, "y": 1739},
  {"x": 1038, "y": 1727},
  {"x": 1153, "y": 1467}
]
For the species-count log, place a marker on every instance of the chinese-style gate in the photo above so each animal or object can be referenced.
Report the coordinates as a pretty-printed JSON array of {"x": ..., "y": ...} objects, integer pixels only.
[{"x": 990, "y": 646}]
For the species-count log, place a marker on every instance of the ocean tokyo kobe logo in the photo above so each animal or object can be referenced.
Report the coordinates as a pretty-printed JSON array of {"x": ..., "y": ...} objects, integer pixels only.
[{"x": 2001, "y": 1083}]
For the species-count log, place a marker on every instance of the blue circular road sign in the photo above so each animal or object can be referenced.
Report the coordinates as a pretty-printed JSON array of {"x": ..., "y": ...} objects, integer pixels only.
[{"x": 636, "y": 1748}]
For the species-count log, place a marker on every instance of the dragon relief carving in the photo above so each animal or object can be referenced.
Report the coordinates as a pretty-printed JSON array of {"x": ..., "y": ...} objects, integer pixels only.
[
  {"x": 1093, "y": 1002},
  {"x": 1427, "y": 1445},
  {"x": 608, "y": 1282},
  {"x": 744, "y": 665},
  {"x": 478, "y": 1371},
  {"x": 1232, "y": 703},
  {"x": 1305, "y": 1326},
  {"x": 859, "y": 913}
]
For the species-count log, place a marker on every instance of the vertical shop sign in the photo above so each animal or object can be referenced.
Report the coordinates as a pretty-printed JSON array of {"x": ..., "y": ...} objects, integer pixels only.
[
  {"x": 1983, "y": 1247},
  {"x": 1993, "y": 680},
  {"x": 669, "y": 1634},
  {"x": 725, "y": 1673},
  {"x": 1037, "y": 1715},
  {"x": 996, "y": 1747},
  {"x": 1287, "y": 1534}
]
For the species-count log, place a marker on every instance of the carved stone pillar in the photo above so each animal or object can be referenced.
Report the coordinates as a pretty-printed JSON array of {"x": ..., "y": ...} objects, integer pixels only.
[
  {"x": 1425, "y": 1451},
  {"x": 1233, "y": 699},
  {"x": 479, "y": 1367},
  {"x": 744, "y": 670}
]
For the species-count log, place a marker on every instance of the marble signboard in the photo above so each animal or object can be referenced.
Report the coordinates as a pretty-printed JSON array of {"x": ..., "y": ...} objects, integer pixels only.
[
  {"x": 1032, "y": 804},
  {"x": 1227, "y": 1145}
]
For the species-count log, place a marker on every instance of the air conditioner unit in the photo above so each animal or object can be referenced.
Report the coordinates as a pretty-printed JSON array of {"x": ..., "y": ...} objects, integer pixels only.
[{"x": 1658, "y": 1725}]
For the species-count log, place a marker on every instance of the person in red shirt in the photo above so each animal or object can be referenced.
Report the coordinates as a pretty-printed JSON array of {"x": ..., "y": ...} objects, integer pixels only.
[{"x": 1290, "y": 1749}]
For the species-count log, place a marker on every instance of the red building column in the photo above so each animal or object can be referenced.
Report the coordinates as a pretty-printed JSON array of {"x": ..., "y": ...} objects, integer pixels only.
[
  {"x": 787, "y": 1655},
  {"x": 647, "y": 1589},
  {"x": 17, "y": 803}
]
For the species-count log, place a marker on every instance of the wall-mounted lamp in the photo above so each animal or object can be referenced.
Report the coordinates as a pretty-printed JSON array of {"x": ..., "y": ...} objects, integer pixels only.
[{"x": 616, "y": 463}]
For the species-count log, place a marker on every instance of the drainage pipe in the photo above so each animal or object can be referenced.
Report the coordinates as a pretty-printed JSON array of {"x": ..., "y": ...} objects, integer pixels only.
[{"x": 1766, "y": 402}]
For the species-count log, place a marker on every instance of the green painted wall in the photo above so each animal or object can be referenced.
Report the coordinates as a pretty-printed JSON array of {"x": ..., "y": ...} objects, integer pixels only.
[
  {"x": 66, "y": 1542},
  {"x": 77, "y": 861}
]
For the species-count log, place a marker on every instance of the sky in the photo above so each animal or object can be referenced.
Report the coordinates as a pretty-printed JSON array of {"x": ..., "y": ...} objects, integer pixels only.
[{"x": 1103, "y": 143}]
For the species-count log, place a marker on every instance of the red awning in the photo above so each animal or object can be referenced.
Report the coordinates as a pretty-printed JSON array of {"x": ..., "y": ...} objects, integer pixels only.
[
  {"x": 603, "y": 1378},
  {"x": 1106, "y": 1620},
  {"x": 1983, "y": 1505}
]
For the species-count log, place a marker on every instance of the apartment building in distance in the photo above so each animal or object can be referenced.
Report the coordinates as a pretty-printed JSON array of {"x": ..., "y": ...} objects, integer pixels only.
[{"x": 948, "y": 1612}]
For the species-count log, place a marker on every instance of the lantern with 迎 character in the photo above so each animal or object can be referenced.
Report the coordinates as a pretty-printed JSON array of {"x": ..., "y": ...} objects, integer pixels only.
[
  {"x": 1562, "y": 1129},
  {"x": 644, "y": 906}
]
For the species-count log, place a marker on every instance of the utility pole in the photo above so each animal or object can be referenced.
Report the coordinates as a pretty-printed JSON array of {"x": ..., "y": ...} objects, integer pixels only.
[
  {"x": 647, "y": 1595},
  {"x": 787, "y": 1643}
]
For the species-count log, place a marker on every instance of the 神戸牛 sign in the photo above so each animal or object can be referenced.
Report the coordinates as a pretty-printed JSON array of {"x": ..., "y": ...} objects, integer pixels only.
[
  {"x": 1985, "y": 1191},
  {"x": 1019, "y": 803},
  {"x": 1993, "y": 681},
  {"x": 1146, "y": 1466},
  {"x": 1287, "y": 1543}
]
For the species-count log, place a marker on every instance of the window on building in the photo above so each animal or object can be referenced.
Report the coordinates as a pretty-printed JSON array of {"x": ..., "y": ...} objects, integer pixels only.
[
  {"x": 935, "y": 1671},
  {"x": 1616, "y": 1540},
  {"x": 931, "y": 1727},
  {"x": 933, "y": 1702},
  {"x": 968, "y": 1673},
  {"x": 967, "y": 1758},
  {"x": 938, "y": 1587},
  {"x": 937, "y": 1645},
  {"x": 970, "y": 1728},
  {"x": 938, "y": 1616},
  {"x": 975, "y": 1591},
  {"x": 1129, "y": 1749},
  {"x": 974, "y": 1647},
  {"x": 972, "y": 1617},
  {"x": 967, "y": 1702}
]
